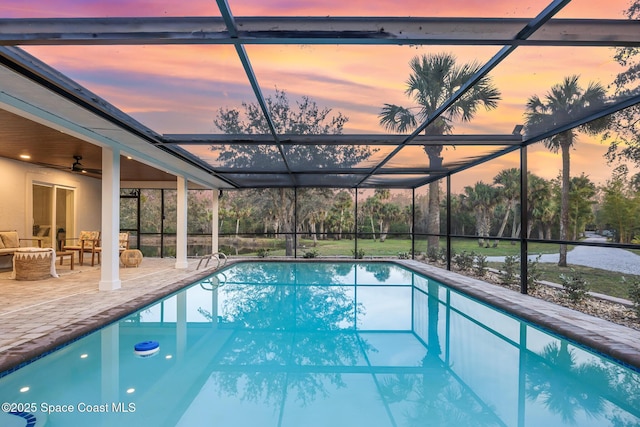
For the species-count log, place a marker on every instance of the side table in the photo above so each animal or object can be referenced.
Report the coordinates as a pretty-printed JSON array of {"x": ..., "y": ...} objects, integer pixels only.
[
  {"x": 63, "y": 254},
  {"x": 131, "y": 257}
]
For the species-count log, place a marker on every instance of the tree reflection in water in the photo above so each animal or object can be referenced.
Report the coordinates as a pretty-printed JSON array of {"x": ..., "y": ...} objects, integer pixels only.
[
  {"x": 285, "y": 319},
  {"x": 294, "y": 337},
  {"x": 435, "y": 395},
  {"x": 568, "y": 388},
  {"x": 380, "y": 271}
]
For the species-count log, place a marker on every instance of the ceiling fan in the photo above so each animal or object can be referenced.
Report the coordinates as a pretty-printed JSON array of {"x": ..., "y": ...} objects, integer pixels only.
[{"x": 76, "y": 167}]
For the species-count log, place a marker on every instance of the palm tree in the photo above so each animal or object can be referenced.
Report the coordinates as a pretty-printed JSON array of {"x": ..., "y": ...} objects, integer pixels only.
[
  {"x": 581, "y": 199},
  {"x": 371, "y": 209},
  {"x": 565, "y": 103},
  {"x": 509, "y": 182},
  {"x": 434, "y": 78},
  {"x": 541, "y": 206},
  {"x": 481, "y": 199},
  {"x": 341, "y": 214}
]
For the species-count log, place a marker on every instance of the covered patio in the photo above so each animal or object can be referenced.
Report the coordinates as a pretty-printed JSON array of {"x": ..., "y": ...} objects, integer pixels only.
[{"x": 55, "y": 118}]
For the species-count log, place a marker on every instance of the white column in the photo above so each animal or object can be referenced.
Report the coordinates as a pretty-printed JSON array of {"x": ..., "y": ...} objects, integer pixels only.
[
  {"x": 110, "y": 262},
  {"x": 181, "y": 226},
  {"x": 214, "y": 220}
]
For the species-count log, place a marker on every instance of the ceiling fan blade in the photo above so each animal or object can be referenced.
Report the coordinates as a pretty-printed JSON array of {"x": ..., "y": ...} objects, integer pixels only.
[
  {"x": 76, "y": 167},
  {"x": 52, "y": 166}
]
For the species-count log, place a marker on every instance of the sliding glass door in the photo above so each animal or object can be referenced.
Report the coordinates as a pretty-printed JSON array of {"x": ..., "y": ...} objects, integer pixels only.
[{"x": 53, "y": 213}]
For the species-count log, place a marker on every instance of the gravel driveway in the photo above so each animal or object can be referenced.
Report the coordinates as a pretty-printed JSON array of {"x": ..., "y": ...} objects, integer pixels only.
[{"x": 612, "y": 259}]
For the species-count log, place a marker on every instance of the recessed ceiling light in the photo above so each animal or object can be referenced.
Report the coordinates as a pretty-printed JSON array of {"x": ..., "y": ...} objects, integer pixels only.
[
  {"x": 25, "y": 156},
  {"x": 84, "y": 356},
  {"x": 131, "y": 390},
  {"x": 24, "y": 389}
]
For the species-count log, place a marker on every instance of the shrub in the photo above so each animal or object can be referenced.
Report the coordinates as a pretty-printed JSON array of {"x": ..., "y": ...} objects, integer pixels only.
[
  {"x": 404, "y": 255},
  {"x": 574, "y": 285},
  {"x": 481, "y": 265},
  {"x": 358, "y": 254},
  {"x": 263, "y": 252},
  {"x": 533, "y": 274},
  {"x": 311, "y": 254},
  {"x": 433, "y": 254},
  {"x": 509, "y": 270},
  {"x": 227, "y": 250},
  {"x": 634, "y": 293},
  {"x": 438, "y": 255},
  {"x": 464, "y": 260},
  {"x": 443, "y": 254}
]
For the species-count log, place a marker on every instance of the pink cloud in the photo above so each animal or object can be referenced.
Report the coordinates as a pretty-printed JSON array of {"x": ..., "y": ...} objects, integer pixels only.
[
  {"x": 177, "y": 89},
  {"x": 471, "y": 8}
]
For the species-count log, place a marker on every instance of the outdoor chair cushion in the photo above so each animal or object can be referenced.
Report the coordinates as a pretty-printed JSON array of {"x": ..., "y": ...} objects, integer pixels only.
[
  {"x": 10, "y": 242},
  {"x": 123, "y": 241},
  {"x": 86, "y": 241},
  {"x": 89, "y": 241}
]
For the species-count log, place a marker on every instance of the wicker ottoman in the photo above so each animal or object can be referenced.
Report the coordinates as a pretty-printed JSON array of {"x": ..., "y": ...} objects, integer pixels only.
[
  {"x": 131, "y": 257},
  {"x": 33, "y": 264}
]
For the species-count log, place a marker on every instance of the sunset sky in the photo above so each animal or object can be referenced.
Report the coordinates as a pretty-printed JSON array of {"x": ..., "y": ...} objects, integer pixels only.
[{"x": 179, "y": 88}]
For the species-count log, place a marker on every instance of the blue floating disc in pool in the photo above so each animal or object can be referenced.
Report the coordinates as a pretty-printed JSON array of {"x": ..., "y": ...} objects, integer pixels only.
[{"x": 146, "y": 348}]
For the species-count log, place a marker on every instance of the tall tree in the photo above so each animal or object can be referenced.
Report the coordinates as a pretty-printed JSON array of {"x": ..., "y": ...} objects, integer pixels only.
[
  {"x": 581, "y": 201},
  {"x": 541, "y": 207},
  {"x": 621, "y": 208},
  {"x": 433, "y": 79},
  {"x": 341, "y": 214},
  {"x": 371, "y": 211},
  {"x": 313, "y": 209},
  {"x": 461, "y": 218},
  {"x": 481, "y": 199},
  {"x": 199, "y": 213},
  {"x": 625, "y": 125},
  {"x": 509, "y": 182},
  {"x": 563, "y": 104},
  {"x": 306, "y": 118}
]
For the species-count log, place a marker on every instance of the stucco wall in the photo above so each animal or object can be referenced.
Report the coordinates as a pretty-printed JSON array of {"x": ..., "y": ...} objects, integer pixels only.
[{"x": 16, "y": 179}]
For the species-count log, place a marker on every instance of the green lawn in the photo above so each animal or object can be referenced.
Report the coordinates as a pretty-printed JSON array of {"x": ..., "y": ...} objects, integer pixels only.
[
  {"x": 504, "y": 248},
  {"x": 392, "y": 247},
  {"x": 602, "y": 281}
]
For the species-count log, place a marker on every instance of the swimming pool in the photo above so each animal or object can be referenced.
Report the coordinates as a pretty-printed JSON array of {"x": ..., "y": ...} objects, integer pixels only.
[{"x": 322, "y": 344}]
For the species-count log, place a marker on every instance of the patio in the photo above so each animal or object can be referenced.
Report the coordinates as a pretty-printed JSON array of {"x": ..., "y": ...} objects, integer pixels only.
[{"x": 36, "y": 316}]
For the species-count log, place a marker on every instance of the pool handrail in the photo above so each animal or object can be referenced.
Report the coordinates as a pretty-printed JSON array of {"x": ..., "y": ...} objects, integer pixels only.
[{"x": 217, "y": 256}]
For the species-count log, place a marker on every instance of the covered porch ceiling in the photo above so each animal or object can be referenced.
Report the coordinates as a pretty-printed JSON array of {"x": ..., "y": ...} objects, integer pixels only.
[{"x": 55, "y": 110}]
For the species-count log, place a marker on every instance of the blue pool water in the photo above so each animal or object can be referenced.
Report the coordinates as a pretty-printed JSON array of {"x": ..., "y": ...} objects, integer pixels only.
[{"x": 321, "y": 344}]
